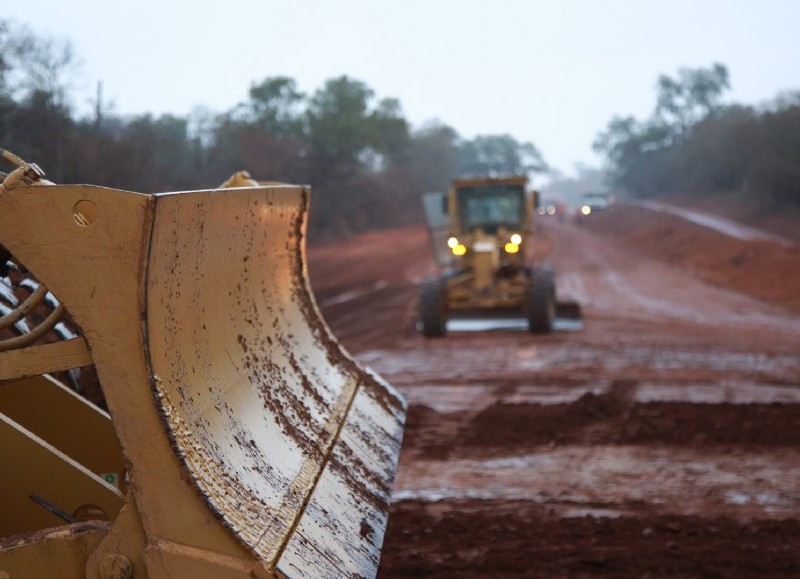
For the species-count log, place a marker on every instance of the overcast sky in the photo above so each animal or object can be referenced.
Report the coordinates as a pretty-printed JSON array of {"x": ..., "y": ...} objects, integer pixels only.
[{"x": 552, "y": 73}]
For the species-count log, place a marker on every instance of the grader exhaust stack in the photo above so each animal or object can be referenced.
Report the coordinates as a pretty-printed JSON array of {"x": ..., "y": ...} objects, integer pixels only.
[{"x": 254, "y": 445}]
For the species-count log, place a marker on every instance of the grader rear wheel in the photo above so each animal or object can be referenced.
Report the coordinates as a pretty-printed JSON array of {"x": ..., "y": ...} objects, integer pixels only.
[{"x": 541, "y": 304}]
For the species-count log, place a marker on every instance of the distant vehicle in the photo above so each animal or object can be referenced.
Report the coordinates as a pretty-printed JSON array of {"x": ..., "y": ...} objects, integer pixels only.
[
  {"x": 594, "y": 202},
  {"x": 551, "y": 208}
]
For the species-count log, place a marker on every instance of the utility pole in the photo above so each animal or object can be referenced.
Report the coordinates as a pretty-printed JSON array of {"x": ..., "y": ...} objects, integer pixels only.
[{"x": 98, "y": 111}]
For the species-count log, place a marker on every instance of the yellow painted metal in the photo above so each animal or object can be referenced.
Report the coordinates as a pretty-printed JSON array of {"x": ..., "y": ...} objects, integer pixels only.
[
  {"x": 45, "y": 358},
  {"x": 24, "y": 308},
  {"x": 256, "y": 446},
  {"x": 485, "y": 264},
  {"x": 66, "y": 421},
  {"x": 42, "y": 487},
  {"x": 480, "y": 287},
  {"x": 58, "y": 552}
]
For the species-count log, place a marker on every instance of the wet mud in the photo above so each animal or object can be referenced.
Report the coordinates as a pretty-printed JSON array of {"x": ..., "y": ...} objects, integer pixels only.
[{"x": 659, "y": 440}]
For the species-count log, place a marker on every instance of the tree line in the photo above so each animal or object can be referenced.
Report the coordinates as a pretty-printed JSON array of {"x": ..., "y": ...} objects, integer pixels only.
[
  {"x": 366, "y": 163},
  {"x": 693, "y": 144}
]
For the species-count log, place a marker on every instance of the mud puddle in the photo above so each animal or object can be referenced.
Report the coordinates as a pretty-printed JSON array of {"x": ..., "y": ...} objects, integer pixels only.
[
  {"x": 619, "y": 480},
  {"x": 507, "y": 324}
]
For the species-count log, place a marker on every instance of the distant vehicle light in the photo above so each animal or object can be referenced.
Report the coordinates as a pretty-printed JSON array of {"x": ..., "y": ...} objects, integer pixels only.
[
  {"x": 459, "y": 249},
  {"x": 452, "y": 242},
  {"x": 551, "y": 210},
  {"x": 516, "y": 239},
  {"x": 511, "y": 247},
  {"x": 586, "y": 210}
]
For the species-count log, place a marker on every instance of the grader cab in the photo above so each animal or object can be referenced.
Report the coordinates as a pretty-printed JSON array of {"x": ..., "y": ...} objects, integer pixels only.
[
  {"x": 480, "y": 235},
  {"x": 240, "y": 441}
]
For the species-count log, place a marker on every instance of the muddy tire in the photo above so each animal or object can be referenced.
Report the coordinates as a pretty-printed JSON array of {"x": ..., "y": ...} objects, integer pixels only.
[
  {"x": 541, "y": 306},
  {"x": 432, "y": 308}
]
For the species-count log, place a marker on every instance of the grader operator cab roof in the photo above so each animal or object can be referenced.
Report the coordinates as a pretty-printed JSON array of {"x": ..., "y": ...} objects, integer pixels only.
[
  {"x": 254, "y": 445},
  {"x": 491, "y": 205}
]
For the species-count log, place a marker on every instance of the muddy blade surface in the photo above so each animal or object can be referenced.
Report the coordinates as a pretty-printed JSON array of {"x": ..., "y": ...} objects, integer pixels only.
[
  {"x": 291, "y": 443},
  {"x": 253, "y": 443}
]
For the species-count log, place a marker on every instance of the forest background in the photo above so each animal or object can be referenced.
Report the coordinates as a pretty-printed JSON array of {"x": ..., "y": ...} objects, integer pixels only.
[{"x": 367, "y": 165}]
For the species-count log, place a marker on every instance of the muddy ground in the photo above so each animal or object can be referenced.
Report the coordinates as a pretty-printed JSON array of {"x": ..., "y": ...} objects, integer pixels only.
[{"x": 659, "y": 440}]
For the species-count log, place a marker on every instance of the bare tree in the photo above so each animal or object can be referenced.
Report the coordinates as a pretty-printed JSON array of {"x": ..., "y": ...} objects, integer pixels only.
[
  {"x": 40, "y": 65},
  {"x": 693, "y": 95}
]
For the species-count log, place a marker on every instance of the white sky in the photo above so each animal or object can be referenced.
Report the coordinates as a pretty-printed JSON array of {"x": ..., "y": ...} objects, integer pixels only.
[{"x": 553, "y": 73}]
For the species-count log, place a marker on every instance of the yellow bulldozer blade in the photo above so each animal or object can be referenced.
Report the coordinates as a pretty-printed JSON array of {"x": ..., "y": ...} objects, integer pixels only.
[{"x": 254, "y": 445}]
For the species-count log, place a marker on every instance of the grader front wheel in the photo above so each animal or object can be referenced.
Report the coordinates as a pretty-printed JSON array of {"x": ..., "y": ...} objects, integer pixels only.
[{"x": 432, "y": 308}]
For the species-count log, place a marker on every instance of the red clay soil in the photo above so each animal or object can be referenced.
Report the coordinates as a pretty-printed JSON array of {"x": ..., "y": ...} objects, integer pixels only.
[
  {"x": 594, "y": 419},
  {"x": 764, "y": 269},
  {"x": 515, "y": 539},
  {"x": 660, "y": 440}
]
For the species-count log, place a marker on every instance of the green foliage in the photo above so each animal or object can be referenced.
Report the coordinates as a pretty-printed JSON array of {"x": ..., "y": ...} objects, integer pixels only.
[
  {"x": 693, "y": 95},
  {"x": 433, "y": 156},
  {"x": 338, "y": 127},
  {"x": 35, "y": 66},
  {"x": 274, "y": 107},
  {"x": 692, "y": 144},
  {"x": 773, "y": 171},
  {"x": 368, "y": 168},
  {"x": 40, "y": 128},
  {"x": 500, "y": 155},
  {"x": 391, "y": 131}
]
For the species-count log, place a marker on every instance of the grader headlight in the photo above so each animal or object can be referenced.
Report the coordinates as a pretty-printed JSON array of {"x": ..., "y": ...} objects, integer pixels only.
[
  {"x": 459, "y": 249},
  {"x": 456, "y": 246},
  {"x": 513, "y": 244}
]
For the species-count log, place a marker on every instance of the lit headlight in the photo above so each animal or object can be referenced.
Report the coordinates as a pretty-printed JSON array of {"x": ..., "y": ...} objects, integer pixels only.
[
  {"x": 516, "y": 239},
  {"x": 459, "y": 249},
  {"x": 452, "y": 242},
  {"x": 586, "y": 210},
  {"x": 511, "y": 247}
]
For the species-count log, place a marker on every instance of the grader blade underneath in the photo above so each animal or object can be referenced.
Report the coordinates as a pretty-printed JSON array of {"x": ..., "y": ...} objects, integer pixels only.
[{"x": 255, "y": 446}]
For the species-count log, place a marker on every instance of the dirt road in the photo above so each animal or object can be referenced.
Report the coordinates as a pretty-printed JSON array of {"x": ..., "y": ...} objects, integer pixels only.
[{"x": 661, "y": 439}]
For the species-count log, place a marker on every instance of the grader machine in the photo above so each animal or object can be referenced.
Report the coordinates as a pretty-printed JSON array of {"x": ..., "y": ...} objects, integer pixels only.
[
  {"x": 479, "y": 231},
  {"x": 241, "y": 440}
]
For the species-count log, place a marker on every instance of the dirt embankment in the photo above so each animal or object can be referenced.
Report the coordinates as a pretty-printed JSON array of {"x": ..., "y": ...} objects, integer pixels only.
[
  {"x": 767, "y": 270},
  {"x": 608, "y": 418}
]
